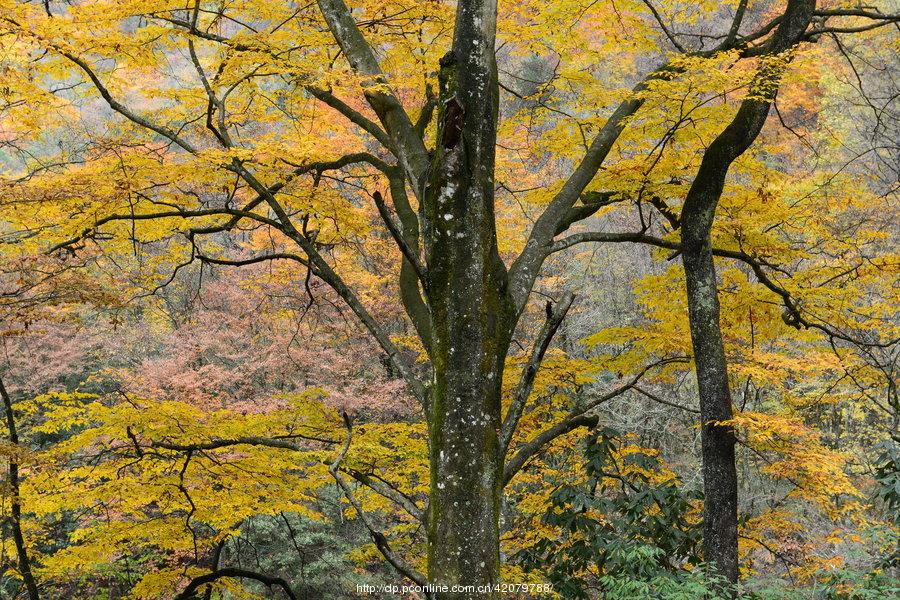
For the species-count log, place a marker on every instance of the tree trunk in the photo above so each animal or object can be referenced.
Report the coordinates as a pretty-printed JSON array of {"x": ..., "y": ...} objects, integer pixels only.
[
  {"x": 697, "y": 215},
  {"x": 471, "y": 314},
  {"x": 16, "y": 505},
  {"x": 719, "y": 471}
]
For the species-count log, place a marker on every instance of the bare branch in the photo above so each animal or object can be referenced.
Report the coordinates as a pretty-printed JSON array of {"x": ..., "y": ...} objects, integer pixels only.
[
  {"x": 555, "y": 316},
  {"x": 253, "y": 260}
]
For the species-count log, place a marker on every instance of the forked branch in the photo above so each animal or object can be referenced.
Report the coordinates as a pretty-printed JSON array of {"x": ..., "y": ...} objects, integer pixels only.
[{"x": 380, "y": 540}]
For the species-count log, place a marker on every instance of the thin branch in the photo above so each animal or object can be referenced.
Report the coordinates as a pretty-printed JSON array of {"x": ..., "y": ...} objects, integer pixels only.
[
  {"x": 177, "y": 213},
  {"x": 659, "y": 400},
  {"x": 579, "y": 417},
  {"x": 794, "y": 315},
  {"x": 253, "y": 260},
  {"x": 250, "y": 440},
  {"x": 380, "y": 541},
  {"x": 591, "y": 202},
  {"x": 213, "y": 104},
  {"x": 120, "y": 108},
  {"x": 555, "y": 316},
  {"x": 388, "y": 492},
  {"x": 400, "y": 240},
  {"x": 325, "y": 272},
  {"x": 662, "y": 26},
  {"x": 354, "y": 116}
]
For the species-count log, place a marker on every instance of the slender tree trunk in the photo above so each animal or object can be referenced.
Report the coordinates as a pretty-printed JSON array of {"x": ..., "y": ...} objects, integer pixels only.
[
  {"x": 719, "y": 470},
  {"x": 16, "y": 508},
  {"x": 471, "y": 313},
  {"x": 697, "y": 215}
]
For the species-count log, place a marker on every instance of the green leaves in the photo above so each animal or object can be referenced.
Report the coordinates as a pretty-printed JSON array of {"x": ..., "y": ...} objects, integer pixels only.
[{"x": 627, "y": 529}]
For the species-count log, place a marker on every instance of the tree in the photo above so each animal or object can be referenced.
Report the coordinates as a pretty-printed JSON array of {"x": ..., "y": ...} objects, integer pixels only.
[
  {"x": 15, "y": 517},
  {"x": 719, "y": 473},
  {"x": 224, "y": 150}
]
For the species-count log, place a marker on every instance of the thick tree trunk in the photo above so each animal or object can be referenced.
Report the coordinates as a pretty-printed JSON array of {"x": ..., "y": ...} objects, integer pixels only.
[
  {"x": 466, "y": 465},
  {"x": 471, "y": 314},
  {"x": 15, "y": 519}
]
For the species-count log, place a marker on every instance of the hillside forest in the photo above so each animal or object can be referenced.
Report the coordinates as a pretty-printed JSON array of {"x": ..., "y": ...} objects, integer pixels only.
[{"x": 449, "y": 299}]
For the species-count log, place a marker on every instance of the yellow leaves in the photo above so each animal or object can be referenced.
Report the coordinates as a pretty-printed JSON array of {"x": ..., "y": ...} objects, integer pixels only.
[
  {"x": 413, "y": 343},
  {"x": 558, "y": 371},
  {"x": 57, "y": 412},
  {"x": 164, "y": 476},
  {"x": 658, "y": 475},
  {"x": 800, "y": 459}
]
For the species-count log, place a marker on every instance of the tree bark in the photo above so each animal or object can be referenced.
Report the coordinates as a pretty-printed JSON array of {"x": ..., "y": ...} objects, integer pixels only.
[
  {"x": 15, "y": 519},
  {"x": 719, "y": 473},
  {"x": 471, "y": 313},
  {"x": 717, "y": 440}
]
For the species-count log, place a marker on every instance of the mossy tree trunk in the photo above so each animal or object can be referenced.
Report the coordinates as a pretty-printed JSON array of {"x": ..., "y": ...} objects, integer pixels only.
[{"x": 472, "y": 314}]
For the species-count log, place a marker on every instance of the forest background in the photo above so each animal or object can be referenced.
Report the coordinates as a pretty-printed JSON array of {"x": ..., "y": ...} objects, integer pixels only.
[{"x": 298, "y": 297}]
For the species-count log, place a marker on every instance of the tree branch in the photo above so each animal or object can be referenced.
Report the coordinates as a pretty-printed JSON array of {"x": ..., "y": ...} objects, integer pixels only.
[
  {"x": 175, "y": 213},
  {"x": 122, "y": 109},
  {"x": 662, "y": 26},
  {"x": 410, "y": 294},
  {"x": 354, "y": 116},
  {"x": 515, "y": 464},
  {"x": 388, "y": 492},
  {"x": 579, "y": 417},
  {"x": 735, "y": 25},
  {"x": 327, "y": 274},
  {"x": 281, "y": 442},
  {"x": 408, "y": 252},
  {"x": 526, "y": 266},
  {"x": 555, "y": 316},
  {"x": 794, "y": 314},
  {"x": 196, "y": 583},
  {"x": 408, "y": 146},
  {"x": 380, "y": 541}
]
